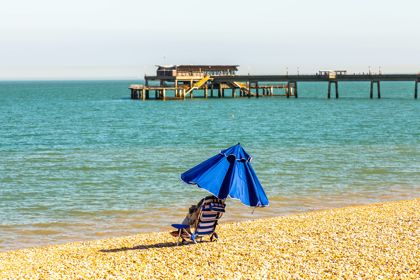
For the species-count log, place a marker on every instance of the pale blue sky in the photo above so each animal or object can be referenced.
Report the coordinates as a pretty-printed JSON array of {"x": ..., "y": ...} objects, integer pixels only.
[{"x": 106, "y": 39}]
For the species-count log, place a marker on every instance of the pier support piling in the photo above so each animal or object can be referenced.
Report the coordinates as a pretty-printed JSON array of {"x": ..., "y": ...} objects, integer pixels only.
[
  {"x": 378, "y": 87},
  {"x": 329, "y": 90},
  {"x": 257, "y": 94},
  {"x": 336, "y": 89},
  {"x": 291, "y": 88},
  {"x": 416, "y": 89}
]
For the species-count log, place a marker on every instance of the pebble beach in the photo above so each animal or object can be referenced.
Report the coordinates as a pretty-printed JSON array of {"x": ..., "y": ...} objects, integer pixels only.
[{"x": 377, "y": 241}]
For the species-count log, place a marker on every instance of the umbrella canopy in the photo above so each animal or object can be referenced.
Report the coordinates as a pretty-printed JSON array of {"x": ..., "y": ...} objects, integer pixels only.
[{"x": 229, "y": 173}]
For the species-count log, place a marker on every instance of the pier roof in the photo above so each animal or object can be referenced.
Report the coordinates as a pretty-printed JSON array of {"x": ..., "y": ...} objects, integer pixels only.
[{"x": 200, "y": 67}]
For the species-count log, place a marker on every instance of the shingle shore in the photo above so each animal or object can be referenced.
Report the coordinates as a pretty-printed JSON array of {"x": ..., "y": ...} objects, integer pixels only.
[{"x": 367, "y": 242}]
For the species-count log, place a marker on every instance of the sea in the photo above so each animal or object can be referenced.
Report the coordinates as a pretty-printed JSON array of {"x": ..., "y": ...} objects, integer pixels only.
[{"x": 80, "y": 160}]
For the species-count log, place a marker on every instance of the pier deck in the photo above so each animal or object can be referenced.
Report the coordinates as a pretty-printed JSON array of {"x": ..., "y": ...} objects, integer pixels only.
[{"x": 194, "y": 80}]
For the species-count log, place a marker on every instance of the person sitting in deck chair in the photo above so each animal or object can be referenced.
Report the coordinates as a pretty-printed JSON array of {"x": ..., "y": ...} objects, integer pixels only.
[{"x": 203, "y": 217}]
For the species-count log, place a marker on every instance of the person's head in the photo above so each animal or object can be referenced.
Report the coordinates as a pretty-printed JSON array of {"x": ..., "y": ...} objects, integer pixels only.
[{"x": 192, "y": 209}]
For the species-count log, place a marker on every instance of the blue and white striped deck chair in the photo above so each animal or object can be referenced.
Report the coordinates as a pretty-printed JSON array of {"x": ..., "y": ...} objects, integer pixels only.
[{"x": 208, "y": 216}]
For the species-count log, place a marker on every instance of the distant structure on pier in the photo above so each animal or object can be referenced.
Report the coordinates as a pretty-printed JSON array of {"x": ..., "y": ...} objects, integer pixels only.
[
  {"x": 182, "y": 81},
  {"x": 181, "y": 72}
]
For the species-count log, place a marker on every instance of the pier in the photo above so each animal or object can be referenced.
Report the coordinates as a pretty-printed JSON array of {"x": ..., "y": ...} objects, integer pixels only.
[{"x": 190, "y": 81}]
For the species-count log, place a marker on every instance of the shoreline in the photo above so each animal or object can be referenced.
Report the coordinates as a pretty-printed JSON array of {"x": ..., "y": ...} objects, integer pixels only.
[
  {"x": 130, "y": 222},
  {"x": 357, "y": 241}
]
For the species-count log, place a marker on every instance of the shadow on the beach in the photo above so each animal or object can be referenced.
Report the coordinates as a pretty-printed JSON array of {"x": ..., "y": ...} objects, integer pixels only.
[{"x": 145, "y": 247}]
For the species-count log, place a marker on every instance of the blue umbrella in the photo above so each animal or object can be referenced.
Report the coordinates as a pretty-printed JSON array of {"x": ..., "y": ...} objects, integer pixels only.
[{"x": 229, "y": 173}]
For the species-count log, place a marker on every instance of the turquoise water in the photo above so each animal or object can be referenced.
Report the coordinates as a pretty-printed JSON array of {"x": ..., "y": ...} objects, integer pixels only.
[{"x": 80, "y": 160}]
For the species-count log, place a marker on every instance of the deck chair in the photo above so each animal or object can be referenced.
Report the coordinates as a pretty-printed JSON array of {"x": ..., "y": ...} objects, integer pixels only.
[{"x": 208, "y": 216}]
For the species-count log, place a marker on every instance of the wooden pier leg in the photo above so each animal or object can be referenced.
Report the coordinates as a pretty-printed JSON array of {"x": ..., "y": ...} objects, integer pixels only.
[
  {"x": 336, "y": 89},
  {"x": 132, "y": 93},
  {"x": 219, "y": 91},
  {"x": 416, "y": 86},
  {"x": 271, "y": 91},
  {"x": 288, "y": 89},
  {"x": 371, "y": 89},
  {"x": 143, "y": 94},
  {"x": 329, "y": 89},
  {"x": 146, "y": 83},
  {"x": 379, "y": 89},
  {"x": 205, "y": 92},
  {"x": 164, "y": 94},
  {"x": 256, "y": 90},
  {"x": 233, "y": 92},
  {"x": 249, "y": 89},
  {"x": 211, "y": 89},
  {"x": 296, "y": 90}
]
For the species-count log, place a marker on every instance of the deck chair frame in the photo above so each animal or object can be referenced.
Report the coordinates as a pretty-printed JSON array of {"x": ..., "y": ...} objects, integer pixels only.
[{"x": 208, "y": 216}]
